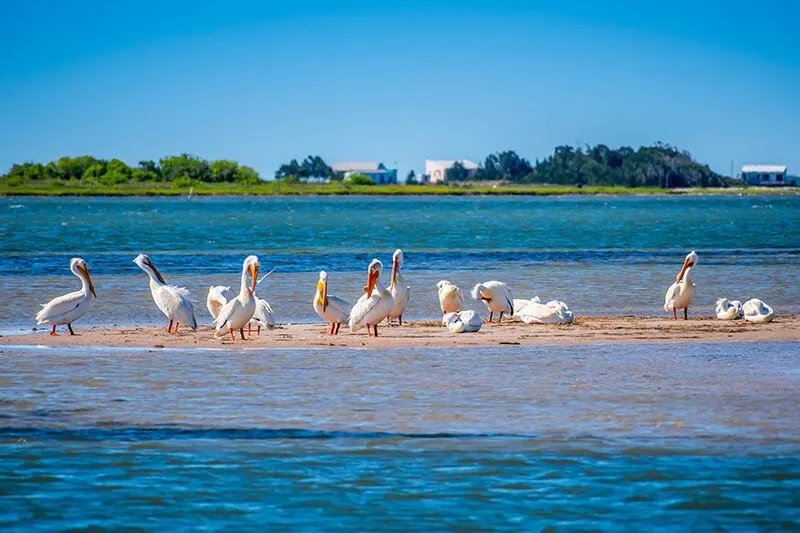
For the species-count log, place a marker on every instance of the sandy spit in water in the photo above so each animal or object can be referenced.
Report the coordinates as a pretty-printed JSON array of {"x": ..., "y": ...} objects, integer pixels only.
[{"x": 585, "y": 330}]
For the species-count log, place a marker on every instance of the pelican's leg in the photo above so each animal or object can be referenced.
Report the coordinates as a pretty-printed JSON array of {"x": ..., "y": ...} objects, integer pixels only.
[
  {"x": 491, "y": 314},
  {"x": 686, "y": 313},
  {"x": 501, "y": 317},
  {"x": 258, "y": 331},
  {"x": 249, "y": 330},
  {"x": 70, "y": 329},
  {"x": 233, "y": 337},
  {"x": 369, "y": 333},
  {"x": 376, "y": 329},
  {"x": 169, "y": 328},
  {"x": 53, "y": 332},
  {"x": 675, "y": 313},
  {"x": 400, "y": 320},
  {"x": 338, "y": 325},
  {"x": 241, "y": 332},
  {"x": 176, "y": 328},
  {"x": 333, "y": 326}
]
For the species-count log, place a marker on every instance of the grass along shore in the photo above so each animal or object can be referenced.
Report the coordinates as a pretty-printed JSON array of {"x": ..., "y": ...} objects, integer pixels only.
[{"x": 342, "y": 189}]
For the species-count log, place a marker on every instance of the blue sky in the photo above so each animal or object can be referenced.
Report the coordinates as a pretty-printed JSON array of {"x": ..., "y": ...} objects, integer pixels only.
[{"x": 262, "y": 82}]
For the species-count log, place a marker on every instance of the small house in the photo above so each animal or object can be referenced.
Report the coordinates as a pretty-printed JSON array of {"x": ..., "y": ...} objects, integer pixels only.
[
  {"x": 376, "y": 170},
  {"x": 766, "y": 175}
]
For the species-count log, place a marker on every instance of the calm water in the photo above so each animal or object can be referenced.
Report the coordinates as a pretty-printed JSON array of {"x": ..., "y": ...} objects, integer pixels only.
[
  {"x": 648, "y": 436},
  {"x": 515, "y": 438},
  {"x": 603, "y": 256}
]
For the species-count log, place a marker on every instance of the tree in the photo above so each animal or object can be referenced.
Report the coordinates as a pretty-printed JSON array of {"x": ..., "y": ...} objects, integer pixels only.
[
  {"x": 457, "y": 172},
  {"x": 411, "y": 178},
  {"x": 224, "y": 171},
  {"x": 185, "y": 166},
  {"x": 247, "y": 175},
  {"x": 292, "y": 169},
  {"x": 359, "y": 179},
  {"x": 506, "y": 166}
]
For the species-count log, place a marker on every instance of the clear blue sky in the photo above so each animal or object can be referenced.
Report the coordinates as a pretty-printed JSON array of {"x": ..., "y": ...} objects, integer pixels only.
[{"x": 262, "y": 82}]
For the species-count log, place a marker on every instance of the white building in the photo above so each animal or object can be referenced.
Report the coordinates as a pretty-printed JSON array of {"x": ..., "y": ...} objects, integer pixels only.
[
  {"x": 372, "y": 169},
  {"x": 764, "y": 174},
  {"x": 436, "y": 169}
]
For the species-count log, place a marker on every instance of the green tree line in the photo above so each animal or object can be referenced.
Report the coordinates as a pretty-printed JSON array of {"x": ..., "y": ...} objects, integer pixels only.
[{"x": 178, "y": 169}]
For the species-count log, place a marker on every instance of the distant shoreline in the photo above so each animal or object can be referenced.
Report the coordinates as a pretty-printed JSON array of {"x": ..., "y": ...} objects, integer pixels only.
[
  {"x": 585, "y": 330},
  {"x": 279, "y": 189}
]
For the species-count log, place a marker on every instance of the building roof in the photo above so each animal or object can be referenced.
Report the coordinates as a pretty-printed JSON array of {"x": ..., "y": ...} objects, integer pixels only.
[
  {"x": 358, "y": 166},
  {"x": 447, "y": 163},
  {"x": 767, "y": 169}
]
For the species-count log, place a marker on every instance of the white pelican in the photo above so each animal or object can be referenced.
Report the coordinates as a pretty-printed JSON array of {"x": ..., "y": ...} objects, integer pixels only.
[
  {"x": 497, "y": 297},
  {"x": 680, "y": 294},
  {"x": 757, "y": 311},
  {"x": 218, "y": 296},
  {"x": 330, "y": 308},
  {"x": 728, "y": 309},
  {"x": 375, "y": 305},
  {"x": 462, "y": 322},
  {"x": 70, "y": 307},
  {"x": 237, "y": 312},
  {"x": 533, "y": 311},
  {"x": 451, "y": 299},
  {"x": 398, "y": 288},
  {"x": 171, "y": 300}
]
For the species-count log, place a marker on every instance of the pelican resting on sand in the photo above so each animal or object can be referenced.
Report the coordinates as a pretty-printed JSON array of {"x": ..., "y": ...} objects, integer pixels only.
[
  {"x": 70, "y": 307},
  {"x": 681, "y": 293},
  {"x": 497, "y": 297},
  {"x": 375, "y": 305},
  {"x": 398, "y": 288},
  {"x": 171, "y": 300},
  {"x": 533, "y": 311},
  {"x": 462, "y": 322},
  {"x": 330, "y": 308},
  {"x": 728, "y": 309},
  {"x": 237, "y": 312},
  {"x": 451, "y": 299},
  {"x": 757, "y": 311}
]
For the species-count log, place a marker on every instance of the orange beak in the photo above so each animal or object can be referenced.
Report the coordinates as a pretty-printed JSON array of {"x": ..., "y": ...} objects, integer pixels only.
[
  {"x": 372, "y": 279},
  {"x": 395, "y": 266},
  {"x": 686, "y": 264},
  {"x": 85, "y": 271},
  {"x": 253, "y": 278},
  {"x": 324, "y": 295}
]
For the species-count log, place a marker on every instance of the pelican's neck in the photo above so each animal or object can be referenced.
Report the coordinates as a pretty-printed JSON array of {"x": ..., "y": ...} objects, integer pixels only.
[
  {"x": 84, "y": 283},
  {"x": 152, "y": 275},
  {"x": 244, "y": 290},
  {"x": 687, "y": 276},
  {"x": 380, "y": 289}
]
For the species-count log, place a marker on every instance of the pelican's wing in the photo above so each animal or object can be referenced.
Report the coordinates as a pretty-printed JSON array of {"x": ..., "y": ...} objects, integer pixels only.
[
  {"x": 226, "y": 313},
  {"x": 672, "y": 293},
  {"x": 175, "y": 303},
  {"x": 218, "y": 296},
  {"x": 263, "y": 313},
  {"x": 361, "y": 309},
  {"x": 58, "y": 307},
  {"x": 339, "y": 307}
]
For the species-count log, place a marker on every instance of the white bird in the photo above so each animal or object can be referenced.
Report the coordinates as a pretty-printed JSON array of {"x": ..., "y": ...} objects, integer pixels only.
[
  {"x": 171, "y": 300},
  {"x": 681, "y": 293},
  {"x": 70, "y": 307},
  {"x": 330, "y": 308},
  {"x": 375, "y": 305},
  {"x": 497, "y": 297},
  {"x": 218, "y": 296},
  {"x": 757, "y": 311},
  {"x": 462, "y": 322},
  {"x": 398, "y": 288},
  {"x": 451, "y": 299},
  {"x": 533, "y": 311},
  {"x": 728, "y": 309},
  {"x": 237, "y": 312}
]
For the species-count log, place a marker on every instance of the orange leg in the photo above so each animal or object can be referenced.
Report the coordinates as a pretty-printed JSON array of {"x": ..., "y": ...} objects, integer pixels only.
[
  {"x": 491, "y": 314},
  {"x": 70, "y": 329},
  {"x": 53, "y": 332},
  {"x": 675, "y": 313},
  {"x": 249, "y": 330},
  {"x": 176, "y": 328},
  {"x": 241, "y": 332},
  {"x": 338, "y": 325},
  {"x": 400, "y": 318},
  {"x": 369, "y": 333},
  {"x": 686, "y": 313},
  {"x": 259, "y": 329},
  {"x": 501, "y": 317},
  {"x": 333, "y": 327},
  {"x": 376, "y": 329},
  {"x": 233, "y": 337},
  {"x": 169, "y": 328}
]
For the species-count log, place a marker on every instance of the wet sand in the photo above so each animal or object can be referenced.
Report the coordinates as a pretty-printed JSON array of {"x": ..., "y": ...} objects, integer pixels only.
[{"x": 585, "y": 330}]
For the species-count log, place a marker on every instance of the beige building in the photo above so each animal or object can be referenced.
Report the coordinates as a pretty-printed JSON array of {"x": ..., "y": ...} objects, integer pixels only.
[{"x": 436, "y": 169}]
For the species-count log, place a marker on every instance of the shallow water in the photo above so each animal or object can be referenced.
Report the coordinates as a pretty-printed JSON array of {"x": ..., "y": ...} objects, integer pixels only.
[
  {"x": 602, "y": 255},
  {"x": 615, "y": 436}
]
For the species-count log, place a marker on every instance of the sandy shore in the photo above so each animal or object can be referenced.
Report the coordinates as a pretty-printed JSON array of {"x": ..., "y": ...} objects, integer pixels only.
[{"x": 586, "y": 330}]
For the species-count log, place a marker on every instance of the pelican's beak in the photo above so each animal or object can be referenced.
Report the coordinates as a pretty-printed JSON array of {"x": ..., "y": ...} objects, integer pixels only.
[
  {"x": 686, "y": 264},
  {"x": 484, "y": 297},
  {"x": 395, "y": 266},
  {"x": 85, "y": 271},
  {"x": 372, "y": 279},
  {"x": 324, "y": 295},
  {"x": 254, "y": 278},
  {"x": 155, "y": 270}
]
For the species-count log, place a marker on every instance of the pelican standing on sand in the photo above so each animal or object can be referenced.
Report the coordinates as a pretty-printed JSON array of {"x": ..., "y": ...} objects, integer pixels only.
[
  {"x": 497, "y": 297},
  {"x": 171, "y": 300},
  {"x": 728, "y": 309},
  {"x": 330, "y": 308},
  {"x": 757, "y": 311},
  {"x": 375, "y": 305},
  {"x": 681, "y": 293},
  {"x": 451, "y": 299},
  {"x": 237, "y": 312},
  {"x": 70, "y": 307},
  {"x": 398, "y": 288}
]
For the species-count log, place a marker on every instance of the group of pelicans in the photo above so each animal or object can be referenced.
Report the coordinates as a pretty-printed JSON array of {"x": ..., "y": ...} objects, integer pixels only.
[{"x": 232, "y": 311}]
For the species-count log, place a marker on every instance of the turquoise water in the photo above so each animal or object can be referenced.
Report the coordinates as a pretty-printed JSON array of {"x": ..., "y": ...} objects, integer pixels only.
[
  {"x": 648, "y": 436},
  {"x": 601, "y": 255},
  {"x": 599, "y": 437}
]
